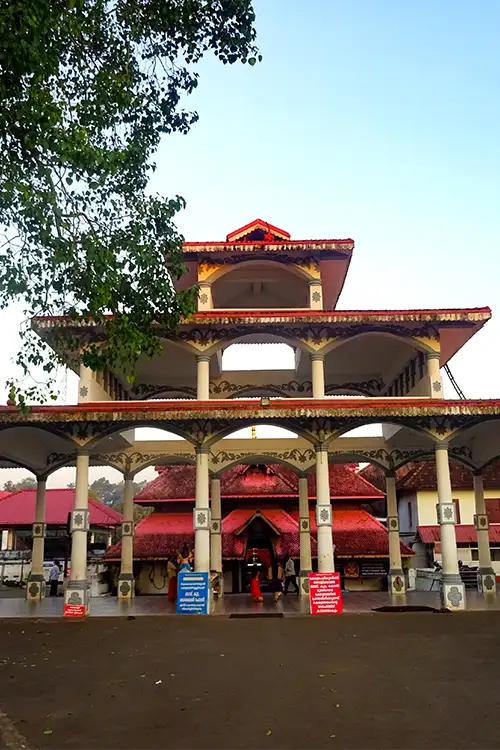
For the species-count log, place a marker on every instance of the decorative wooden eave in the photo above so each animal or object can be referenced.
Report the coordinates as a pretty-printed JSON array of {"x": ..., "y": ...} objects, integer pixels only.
[
  {"x": 288, "y": 249},
  {"x": 250, "y": 409},
  {"x": 435, "y": 316}
]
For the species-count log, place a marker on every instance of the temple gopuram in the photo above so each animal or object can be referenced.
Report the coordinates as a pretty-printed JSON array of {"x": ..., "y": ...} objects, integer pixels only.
[{"x": 351, "y": 368}]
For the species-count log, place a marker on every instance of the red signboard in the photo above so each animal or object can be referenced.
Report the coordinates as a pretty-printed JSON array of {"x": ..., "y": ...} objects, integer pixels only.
[
  {"x": 74, "y": 610},
  {"x": 325, "y": 595}
]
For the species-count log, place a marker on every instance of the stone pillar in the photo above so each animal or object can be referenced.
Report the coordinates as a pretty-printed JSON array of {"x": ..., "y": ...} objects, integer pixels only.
[
  {"x": 215, "y": 527},
  {"x": 324, "y": 513},
  {"x": 318, "y": 375},
  {"x": 77, "y": 591},
  {"x": 202, "y": 377},
  {"x": 486, "y": 579},
  {"x": 126, "y": 577},
  {"x": 201, "y": 513},
  {"x": 452, "y": 588},
  {"x": 396, "y": 578},
  {"x": 35, "y": 590},
  {"x": 434, "y": 375},
  {"x": 315, "y": 295},
  {"x": 305, "y": 536},
  {"x": 205, "y": 301}
]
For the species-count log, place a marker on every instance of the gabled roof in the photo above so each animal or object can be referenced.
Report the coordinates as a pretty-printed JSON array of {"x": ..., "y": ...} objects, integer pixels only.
[
  {"x": 18, "y": 509},
  {"x": 355, "y": 533},
  {"x": 422, "y": 476},
  {"x": 258, "y": 229},
  {"x": 465, "y": 534},
  {"x": 176, "y": 483}
]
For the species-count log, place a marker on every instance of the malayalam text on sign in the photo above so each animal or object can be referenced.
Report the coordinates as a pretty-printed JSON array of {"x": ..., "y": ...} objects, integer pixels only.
[{"x": 325, "y": 594}]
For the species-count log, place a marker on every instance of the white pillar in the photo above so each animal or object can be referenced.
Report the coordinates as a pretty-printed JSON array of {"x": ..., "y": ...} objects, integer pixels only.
[
  {"x": 205, "y": 301},
  {"x": 305, "y": 536},
  {"x": 324, "y": 513},
  {"x": 434, "y": 375},
  {"x": 215, "y": 527},
  {"x": 202, "y": 377},
  {"x": 201, "y": 513},
  {"x": 35, "y": 589},
  {"x": 452, "y": 588},
  {"x": 126, "y": 577},
  {"x": 315, "y": 295},
  {"x": 318, "y": 375},
  {"x": 77, "y": 591},
  {"x": 486, "y": 579},
  {"x": 396, "y": 576}
]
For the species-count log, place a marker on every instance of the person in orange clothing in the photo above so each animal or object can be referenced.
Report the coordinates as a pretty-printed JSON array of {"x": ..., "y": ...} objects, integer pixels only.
[{"x": 255, "y": 591}]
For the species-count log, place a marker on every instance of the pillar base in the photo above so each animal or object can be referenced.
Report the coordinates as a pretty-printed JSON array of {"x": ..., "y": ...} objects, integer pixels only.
[
  {"x": 452, "y": 592},
  {"x": 304, "y": 582},
  {"x": 486, "y": 581},
  {"x": 126, "y": 586},
  {"x": 35, "y": 589},
  {"x": 396, "y": 582},
  {"x": 77, "y": 599}
]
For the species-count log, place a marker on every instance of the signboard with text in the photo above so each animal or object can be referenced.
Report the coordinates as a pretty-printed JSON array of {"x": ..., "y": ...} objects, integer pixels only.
[
  {"x": 325, "y": 595},
  {"x": 192, "y": 594},
  {"x": 74, "y": 610}
]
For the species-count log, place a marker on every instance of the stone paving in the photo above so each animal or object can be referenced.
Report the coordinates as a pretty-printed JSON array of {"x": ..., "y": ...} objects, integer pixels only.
[{"x": 236, "y": 604}]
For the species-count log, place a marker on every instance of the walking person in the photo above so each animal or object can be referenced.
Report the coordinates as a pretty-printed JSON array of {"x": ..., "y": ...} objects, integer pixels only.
[
  {"x": 54, "y": 572},
  {"x": 275, "y": 582},
  {"x": 290, "y": 575}
]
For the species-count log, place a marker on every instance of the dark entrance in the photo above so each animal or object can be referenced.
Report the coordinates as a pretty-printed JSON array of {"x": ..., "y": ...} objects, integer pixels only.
[{"x": 260, "y": 552}]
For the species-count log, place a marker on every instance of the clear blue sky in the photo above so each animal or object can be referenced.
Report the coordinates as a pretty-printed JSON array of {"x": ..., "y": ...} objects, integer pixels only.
[
  {"x": 371, "y": 119},
  {"x": 374, "y": 120}
]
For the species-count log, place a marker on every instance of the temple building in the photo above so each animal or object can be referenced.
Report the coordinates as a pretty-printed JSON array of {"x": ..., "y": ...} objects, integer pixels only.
[
  {"x": 348, "y": 369},
  {"x": 260, "y": 521}
]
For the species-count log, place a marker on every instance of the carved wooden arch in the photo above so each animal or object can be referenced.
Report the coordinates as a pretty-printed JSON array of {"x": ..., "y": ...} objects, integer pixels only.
[
  {"x": 379, "y": 419},
  {"x": 263, "y": 458},
  {"x": 174, "y": 459},
  {"x": 283, "y": 422},
  {"x": 113, "y": 428},
  {"x": 19, "y": 465},
  {"x": 225, "y": 269},
  {"x": 411, "y": 341}
]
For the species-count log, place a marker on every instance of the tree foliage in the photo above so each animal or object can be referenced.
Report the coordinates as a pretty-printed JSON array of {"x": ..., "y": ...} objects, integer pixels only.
[
  {"x": 87, "y": 89},
  {"x": 28, "y": 483}
]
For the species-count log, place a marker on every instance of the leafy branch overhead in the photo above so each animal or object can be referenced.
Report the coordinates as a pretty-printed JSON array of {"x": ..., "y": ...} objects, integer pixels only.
[{"x": 87, "y": 89}]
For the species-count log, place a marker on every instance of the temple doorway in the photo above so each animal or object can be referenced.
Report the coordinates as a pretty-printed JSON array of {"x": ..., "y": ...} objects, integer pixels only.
[{"x": 260, "y": 554}]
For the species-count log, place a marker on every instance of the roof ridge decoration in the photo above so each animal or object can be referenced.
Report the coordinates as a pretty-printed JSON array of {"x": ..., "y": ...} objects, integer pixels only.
[{"x": 258, "y": 230}]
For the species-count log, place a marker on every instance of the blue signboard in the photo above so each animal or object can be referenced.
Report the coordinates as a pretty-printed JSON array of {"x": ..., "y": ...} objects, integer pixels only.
[{"x": 192, "y": 594}]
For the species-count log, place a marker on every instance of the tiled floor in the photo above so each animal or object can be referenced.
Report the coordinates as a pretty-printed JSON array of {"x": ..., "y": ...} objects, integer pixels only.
[{"x": 234, "y": 604}]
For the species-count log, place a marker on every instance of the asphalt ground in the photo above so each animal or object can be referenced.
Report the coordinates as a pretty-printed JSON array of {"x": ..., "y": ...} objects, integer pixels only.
[{"x": 405, "y": 680}]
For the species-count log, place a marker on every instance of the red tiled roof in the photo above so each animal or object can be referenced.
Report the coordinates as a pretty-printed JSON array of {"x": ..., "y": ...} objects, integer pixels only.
[
  {"x": 422, "y": 476},
  {"x": 276, "y": 480},
  {"x": 464, "y": 533},
  {"x": 356, "y": 533},
  {"x": 18, "y": 509}
]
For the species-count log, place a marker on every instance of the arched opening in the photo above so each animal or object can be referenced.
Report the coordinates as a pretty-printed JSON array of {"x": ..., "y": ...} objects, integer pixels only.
[{"x": 260, "y": 285}]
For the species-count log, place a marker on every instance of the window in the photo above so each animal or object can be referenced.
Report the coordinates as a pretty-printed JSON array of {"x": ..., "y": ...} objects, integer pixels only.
[
  {"x": 495, "y": 554},
  {"x": 456, "y": 503},
  {"x": 493, "y": 509},
  {"x": 410, "y": 515},
  {"x": 474, "y": 554}
]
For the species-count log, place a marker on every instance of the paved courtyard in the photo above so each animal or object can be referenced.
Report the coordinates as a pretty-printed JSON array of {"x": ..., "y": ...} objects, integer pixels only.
[
  {"x": 379, "y": 680},
  {"x": 13, "y": 604}
]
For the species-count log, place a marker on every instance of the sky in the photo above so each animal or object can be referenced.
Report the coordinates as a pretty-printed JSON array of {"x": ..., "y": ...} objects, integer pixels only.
[{"x": 371, "y": 120}]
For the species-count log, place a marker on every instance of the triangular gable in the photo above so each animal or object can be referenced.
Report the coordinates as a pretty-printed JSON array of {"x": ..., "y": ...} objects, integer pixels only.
[{"x": 258, "y": 231}]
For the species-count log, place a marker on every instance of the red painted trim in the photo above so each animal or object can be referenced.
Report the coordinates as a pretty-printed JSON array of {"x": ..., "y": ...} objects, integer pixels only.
[
  {"x": 237, "y": 314},
  {"x": 263, "y": 243},
  {"x": 260, "y": 223},
  {"x": 276, "y": 404}
]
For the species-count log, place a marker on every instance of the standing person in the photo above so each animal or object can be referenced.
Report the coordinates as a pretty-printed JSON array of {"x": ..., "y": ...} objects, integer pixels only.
[
  {"x": 290, "y": 577},
  {"x": 275, "y": 582},
  {"x": 255, "y": 591},
  {"x": 185, "y": 559},
  {"x": 53, "y": 578},
  {"x": 172, "y": 579}
]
